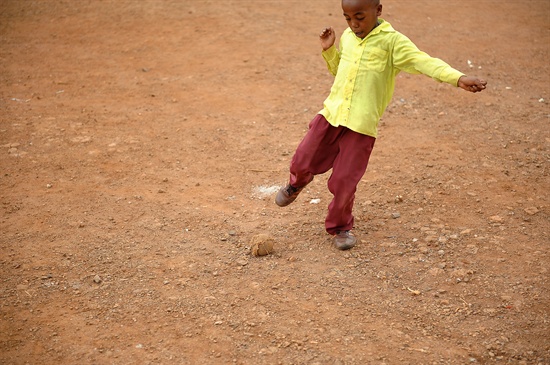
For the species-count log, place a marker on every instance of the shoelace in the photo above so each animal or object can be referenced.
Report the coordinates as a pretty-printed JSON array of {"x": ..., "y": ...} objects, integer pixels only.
[
  {"x": 291, "y": 190},
  {"x": 343, "y": 232}
]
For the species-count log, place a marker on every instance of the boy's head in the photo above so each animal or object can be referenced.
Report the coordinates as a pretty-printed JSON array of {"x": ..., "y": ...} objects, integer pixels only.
[{"x": 362, "y": 15}]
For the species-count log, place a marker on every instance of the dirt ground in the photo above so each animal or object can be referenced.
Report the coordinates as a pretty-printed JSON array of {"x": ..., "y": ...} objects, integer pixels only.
[{"x": 142, "y": 143}]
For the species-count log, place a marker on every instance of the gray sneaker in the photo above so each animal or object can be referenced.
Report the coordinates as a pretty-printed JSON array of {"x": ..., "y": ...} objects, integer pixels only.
[
  {"x": 344, "y": 240},
  {"x": 287, "y": 195}
]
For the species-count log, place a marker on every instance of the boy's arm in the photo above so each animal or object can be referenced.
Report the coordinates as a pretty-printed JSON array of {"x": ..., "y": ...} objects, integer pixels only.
[
  {"x": 409, "y": 58},
  {"x": 330, "y": 53}
]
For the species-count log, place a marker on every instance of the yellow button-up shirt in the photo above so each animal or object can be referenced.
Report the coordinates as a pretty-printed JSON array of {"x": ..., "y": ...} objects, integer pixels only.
[{"x": 365, "y": 71}]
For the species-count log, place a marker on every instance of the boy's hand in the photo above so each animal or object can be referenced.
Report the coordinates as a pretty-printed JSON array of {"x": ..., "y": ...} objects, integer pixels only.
[
  {"x": 471, "y": 83},
  {"x": 327, "y": 37}
]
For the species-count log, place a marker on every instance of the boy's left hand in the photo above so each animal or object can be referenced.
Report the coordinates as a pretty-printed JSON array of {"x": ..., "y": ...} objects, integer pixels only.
[{"x": 471, "y": 83}]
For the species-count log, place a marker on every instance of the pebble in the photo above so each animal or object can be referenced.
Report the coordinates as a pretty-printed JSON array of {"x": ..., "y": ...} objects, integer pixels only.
[
  {"x": 13, "y": 145},
  {"x": 435, "y": 271},
  {"x": 430, "y": 239},
  {"x": 242, "y": 262},
  {"x": 396, "y": 215},
  {"x": 97, "y": 279},
  {"x": 531, "y": 210}
]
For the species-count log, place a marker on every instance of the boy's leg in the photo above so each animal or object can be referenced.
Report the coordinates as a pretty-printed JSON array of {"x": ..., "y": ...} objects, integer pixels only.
[
  {"x": 348, "y": 169},
  {"x": 314, "y": 155}
]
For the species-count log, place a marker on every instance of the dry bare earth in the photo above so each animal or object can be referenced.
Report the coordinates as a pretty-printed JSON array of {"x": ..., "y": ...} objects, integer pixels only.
[{"x": 141, "y": 145}]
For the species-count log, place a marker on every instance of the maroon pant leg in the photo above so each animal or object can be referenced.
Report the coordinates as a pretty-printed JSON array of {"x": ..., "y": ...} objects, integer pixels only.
[
  {"x": 316, "y": 153},
  {"x": 348, "y": 169}
]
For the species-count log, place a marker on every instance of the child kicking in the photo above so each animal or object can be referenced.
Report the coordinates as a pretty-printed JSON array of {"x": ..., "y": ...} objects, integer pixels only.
[{"x": 341, "y": 137}]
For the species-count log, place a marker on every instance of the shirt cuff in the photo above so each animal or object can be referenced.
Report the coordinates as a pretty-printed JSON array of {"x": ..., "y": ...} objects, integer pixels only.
[
  {"x": 330, "y": 54},
  {"x": 332, "y": 58},
  {"x": 451, "y": 76}
]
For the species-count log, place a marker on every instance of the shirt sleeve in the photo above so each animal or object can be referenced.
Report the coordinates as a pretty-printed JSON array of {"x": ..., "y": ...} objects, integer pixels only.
[
  {"x": 332, "y": 58},
  {"x": 407, "y": 57}
]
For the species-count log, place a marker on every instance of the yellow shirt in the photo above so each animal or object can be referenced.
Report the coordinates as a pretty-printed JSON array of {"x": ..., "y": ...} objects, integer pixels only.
[{"x": 365, "y": 71}]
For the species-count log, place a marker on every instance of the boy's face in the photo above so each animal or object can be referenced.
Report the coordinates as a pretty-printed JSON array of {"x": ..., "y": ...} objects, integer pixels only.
[{"x": 362, "y": 15}]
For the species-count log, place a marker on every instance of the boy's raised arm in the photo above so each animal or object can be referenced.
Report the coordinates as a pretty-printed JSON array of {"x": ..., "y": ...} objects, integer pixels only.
[{"x": 330, "y": 53}]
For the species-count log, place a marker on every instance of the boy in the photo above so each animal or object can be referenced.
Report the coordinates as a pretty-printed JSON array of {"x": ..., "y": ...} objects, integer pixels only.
[{"x": 342, "y": 135}]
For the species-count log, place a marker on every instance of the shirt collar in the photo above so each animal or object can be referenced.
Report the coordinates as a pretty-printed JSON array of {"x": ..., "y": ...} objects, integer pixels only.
[{"x": 383, "y": 26}]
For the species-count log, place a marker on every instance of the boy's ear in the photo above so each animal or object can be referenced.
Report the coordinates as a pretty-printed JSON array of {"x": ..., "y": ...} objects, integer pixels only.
[{"x": 379, "y": 10}]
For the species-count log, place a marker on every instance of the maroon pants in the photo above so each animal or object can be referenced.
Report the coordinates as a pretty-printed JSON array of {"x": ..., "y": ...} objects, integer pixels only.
[{"x": 347, "y": 153}]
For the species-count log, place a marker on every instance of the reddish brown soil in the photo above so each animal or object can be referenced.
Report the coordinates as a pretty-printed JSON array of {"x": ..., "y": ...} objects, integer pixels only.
[{"x": 141, "y": 144}]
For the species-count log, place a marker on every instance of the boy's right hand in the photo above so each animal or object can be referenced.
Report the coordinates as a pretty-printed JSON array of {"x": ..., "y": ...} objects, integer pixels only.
[{"x": 327, "y": 37}]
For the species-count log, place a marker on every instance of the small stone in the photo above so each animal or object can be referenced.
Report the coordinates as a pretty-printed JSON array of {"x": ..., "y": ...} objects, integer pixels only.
[
  {"x": 242, "y": 262},
  {"x": 435, "y": 271},
  {"x": 496, "y": 219},
  {"x": 97, "y": 279},
  {"x": 396, "y": 215},
  {"x": 430, "y": 239},
  {"x": 531, "y": 210}
]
